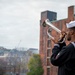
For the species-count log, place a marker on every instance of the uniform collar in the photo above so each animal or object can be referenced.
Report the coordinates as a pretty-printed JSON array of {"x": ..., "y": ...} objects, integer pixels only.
[{"x": 73, "y": 43}]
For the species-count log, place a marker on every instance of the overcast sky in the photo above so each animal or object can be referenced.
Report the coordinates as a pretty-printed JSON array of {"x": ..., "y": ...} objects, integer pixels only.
[{"x": 20, "y": 19}]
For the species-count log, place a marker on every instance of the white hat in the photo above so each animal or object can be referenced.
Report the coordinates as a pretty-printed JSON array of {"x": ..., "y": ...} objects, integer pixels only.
[{"x": 70, "y": 24}]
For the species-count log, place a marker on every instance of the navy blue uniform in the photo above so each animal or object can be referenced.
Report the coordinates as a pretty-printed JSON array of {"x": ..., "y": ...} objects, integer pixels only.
[{"x": 64, "y": 57}]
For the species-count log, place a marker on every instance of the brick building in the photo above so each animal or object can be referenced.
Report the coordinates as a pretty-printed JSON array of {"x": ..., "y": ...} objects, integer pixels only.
[{"x": 46, "y": 44}]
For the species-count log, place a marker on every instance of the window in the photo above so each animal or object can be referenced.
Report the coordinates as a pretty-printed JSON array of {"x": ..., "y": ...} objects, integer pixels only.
[
  {"x": 48, "y": 62},
  {"x": 48, "y": 71},
  {"x": 49, "y": 43},
  {"x": 48, "y": 53}
]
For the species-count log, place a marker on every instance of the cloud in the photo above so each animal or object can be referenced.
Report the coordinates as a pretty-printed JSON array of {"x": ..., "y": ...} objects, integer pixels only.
[{"x": 20, "y": 19}]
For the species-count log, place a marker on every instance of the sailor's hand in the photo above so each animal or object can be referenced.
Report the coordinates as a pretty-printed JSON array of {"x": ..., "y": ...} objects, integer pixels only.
[
  {"x": 62, "y": 37},
  {"x": 63, "y": 34}
]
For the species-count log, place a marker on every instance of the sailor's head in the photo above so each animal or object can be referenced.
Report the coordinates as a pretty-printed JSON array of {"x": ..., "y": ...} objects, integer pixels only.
[{"x": 70, "y": 30}]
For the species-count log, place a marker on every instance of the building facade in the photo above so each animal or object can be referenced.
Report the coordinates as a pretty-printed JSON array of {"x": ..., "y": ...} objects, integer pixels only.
[{"x": 46, "y": 44}]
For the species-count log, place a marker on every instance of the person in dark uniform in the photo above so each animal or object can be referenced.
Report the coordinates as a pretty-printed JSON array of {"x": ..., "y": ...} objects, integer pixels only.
[{"x": 64, "y": 56}]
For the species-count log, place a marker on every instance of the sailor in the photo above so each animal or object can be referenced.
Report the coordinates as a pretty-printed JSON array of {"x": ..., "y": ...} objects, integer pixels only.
[{"x": 63, "y": 55}]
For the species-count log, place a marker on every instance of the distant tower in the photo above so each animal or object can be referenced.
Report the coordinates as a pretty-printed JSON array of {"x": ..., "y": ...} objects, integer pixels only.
[{"x": 45, "y": 44}]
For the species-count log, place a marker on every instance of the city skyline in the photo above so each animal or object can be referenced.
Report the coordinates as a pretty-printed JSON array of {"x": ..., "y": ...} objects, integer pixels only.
[{"x": 20, "y": 20}]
